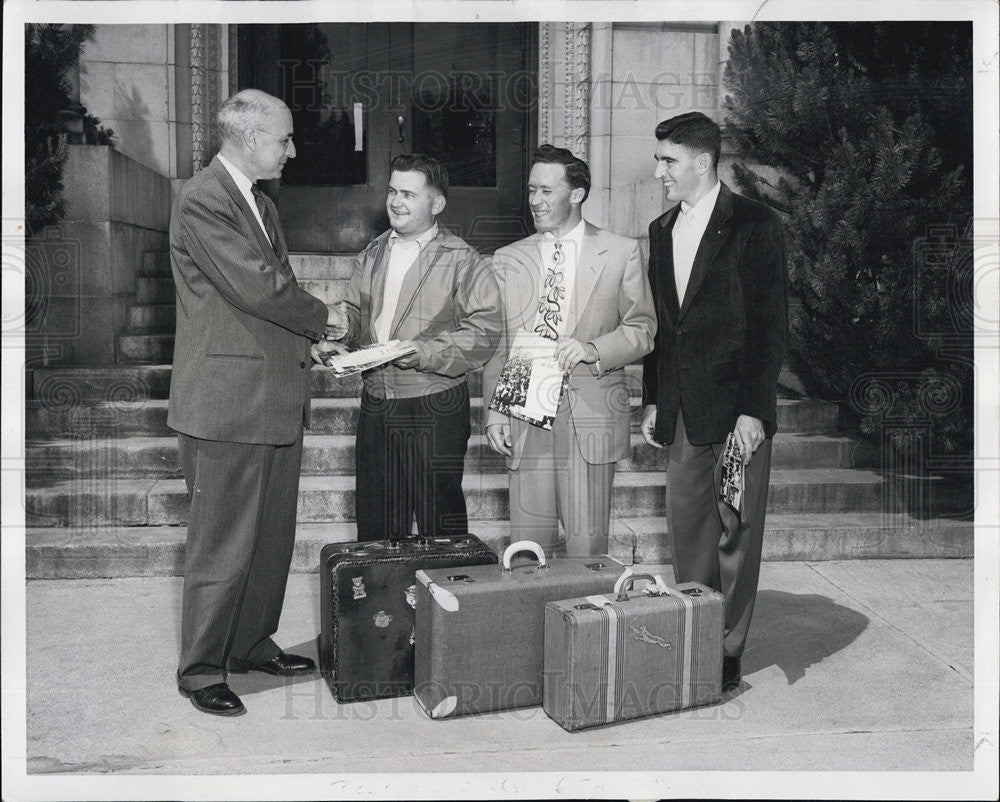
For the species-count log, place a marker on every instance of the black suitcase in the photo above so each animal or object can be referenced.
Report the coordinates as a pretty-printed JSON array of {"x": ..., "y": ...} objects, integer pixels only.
[{"x": 367, "y": 601}]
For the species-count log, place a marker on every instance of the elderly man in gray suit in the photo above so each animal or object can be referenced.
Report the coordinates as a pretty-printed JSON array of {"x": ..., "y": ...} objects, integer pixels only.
[{"x": 239, "y": 397}]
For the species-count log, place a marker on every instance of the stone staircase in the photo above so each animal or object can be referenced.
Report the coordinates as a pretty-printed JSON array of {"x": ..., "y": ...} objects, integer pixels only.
[{"x": 104, "y": 494}]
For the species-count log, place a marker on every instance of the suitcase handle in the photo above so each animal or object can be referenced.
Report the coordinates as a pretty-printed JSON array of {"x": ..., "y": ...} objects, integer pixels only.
[
  {"x": 524, "y": 545},
  {"x": 626, "y": 580}
]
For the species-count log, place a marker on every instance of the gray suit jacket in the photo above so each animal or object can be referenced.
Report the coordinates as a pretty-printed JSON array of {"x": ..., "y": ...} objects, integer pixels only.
[
  {"x": 611, "y": 307},
  {"x": 241, "y": 355}
]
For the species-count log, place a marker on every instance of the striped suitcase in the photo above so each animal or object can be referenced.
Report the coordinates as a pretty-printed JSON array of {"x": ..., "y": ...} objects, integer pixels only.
[{"x": 620, "y": 656}]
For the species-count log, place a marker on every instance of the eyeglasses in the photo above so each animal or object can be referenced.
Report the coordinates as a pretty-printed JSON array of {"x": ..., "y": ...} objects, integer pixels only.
[{"x": 282, "y": 138}]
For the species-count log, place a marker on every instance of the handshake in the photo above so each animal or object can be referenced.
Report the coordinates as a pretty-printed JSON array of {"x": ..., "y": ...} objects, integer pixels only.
[
  {"x": 337, "y": 322},
  {"x": 338, "y": 325}
]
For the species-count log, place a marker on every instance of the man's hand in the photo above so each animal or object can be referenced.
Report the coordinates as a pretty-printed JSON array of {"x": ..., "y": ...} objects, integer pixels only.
[
  {"x": 326, "y": 347},
  {"x": 648, "y": 425},
  {"x": 571, "y": 352},
  {"x": 337, "y": 323},
  {"x": 410, "y": 360},
  {"x": 498, "y": 435},
  {"x": 749, "y": 434}
]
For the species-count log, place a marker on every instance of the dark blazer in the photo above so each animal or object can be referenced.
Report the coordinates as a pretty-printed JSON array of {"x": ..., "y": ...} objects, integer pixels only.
[
  {"x": 718, "y": 356},
  {"x": 241, "y": 354}
]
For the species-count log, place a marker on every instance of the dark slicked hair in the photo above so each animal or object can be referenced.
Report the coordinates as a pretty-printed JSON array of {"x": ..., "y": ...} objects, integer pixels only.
[
  {"x": 693, "y": 130},
  {"x": 433, "y": 170},
  {"x": 577, "y": 171}
]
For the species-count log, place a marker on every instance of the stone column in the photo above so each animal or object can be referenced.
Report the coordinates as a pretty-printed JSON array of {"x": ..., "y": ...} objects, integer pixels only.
[
  {"x": 564, "y": 85},
  {"x": 209, "y": 87}
]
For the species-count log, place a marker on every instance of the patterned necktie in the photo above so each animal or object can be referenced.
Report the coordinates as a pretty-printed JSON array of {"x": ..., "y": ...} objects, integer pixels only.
[
  {"x": 266, "y": 215},
  {"x": 553, "y": 295}
]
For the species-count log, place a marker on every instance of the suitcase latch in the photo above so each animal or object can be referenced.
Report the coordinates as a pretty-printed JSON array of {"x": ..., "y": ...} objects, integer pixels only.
[
  {"x": 596, "y": 566},
  {"x": 460, "y": 578},
  {"x": 692, "y": 591}
]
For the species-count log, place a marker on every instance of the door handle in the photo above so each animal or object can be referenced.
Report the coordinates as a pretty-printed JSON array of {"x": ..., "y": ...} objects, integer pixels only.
[{"x": 401, "y": 120}]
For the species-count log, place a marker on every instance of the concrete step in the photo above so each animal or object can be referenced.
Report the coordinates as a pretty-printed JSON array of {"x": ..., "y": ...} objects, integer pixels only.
[
  {"x": 58, "y": 389},
  {"x": 335, "y": 416},
  {"x": 324, "y": 266},
  {"x": 155, "y": 290},
  {"x": 79, "y": 553},
  {"x": 329, "y": 291},
  {"x": 155, "y": 263},
  {"x": 152, "y": 319},
  {"x": 145, "y": 349},
  {"x": 96, "y": 454},
  {"x": 109, "y": 500}
]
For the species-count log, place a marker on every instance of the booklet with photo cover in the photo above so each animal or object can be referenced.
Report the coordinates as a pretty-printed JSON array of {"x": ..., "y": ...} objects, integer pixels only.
[
  {"x": 729, "y": 474},
  {"x": 531, "y": 385}
]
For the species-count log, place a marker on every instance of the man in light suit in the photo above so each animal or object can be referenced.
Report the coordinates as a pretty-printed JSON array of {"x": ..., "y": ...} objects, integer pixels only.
[
  {"x": 586, "y": 289},
  {"x": 239, "y": 396},
  {"x": 420, "y": 284},
  {"x": 718, "y": 271}
]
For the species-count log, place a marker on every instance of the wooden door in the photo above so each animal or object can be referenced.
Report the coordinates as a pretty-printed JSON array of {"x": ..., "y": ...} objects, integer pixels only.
[{"x": 363, "y": 93}]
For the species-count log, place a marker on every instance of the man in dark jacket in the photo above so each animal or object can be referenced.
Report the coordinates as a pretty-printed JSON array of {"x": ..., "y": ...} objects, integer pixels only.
[{"x": 718, "y": 272}]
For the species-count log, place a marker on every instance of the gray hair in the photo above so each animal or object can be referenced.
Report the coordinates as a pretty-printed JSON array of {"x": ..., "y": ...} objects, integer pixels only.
[{"x": 243, "y": 112}]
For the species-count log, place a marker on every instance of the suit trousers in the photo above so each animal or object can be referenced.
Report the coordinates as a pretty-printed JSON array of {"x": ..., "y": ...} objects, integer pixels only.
[
  {"x": 410, "y": 458},
  {"x": 723, "y": 556},
  {"x": 554, "y": 484},
  {"x": 241, "y": 533}
]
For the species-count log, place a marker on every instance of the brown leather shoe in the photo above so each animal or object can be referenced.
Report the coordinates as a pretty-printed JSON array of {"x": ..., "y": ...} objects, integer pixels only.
[
  {"x": 216, "y": 699},
  {"x": 281, "y": 665}
]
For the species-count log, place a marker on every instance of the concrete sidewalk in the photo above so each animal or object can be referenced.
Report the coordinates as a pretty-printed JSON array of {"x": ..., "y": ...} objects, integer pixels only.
[{"x": 855, "y": 665}]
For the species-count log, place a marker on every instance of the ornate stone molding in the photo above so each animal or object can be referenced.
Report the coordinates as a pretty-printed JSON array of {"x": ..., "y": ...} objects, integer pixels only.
[
  {"x": 577, "y": 66},
  {"x": 544, "y": 82},
  {"x": 199, "y": 101},
  {"x": 234, "y": 66},
  {"x": 206, "y": 69},
  {"x": 564, "y": 78}
]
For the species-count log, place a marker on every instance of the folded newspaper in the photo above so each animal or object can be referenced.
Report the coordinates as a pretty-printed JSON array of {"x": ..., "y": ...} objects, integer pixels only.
[
  {"x": 531, "y": 385},
  {"x": 730, "y": 475},
  {"x": 370, "y": 356}
]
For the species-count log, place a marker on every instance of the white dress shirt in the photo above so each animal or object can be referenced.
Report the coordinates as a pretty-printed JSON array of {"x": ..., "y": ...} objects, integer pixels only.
[
  {"x": 243, "y": 184},
  {"x": 572, "y": 242},
  {"x": 402, "y": 256},
  {"x": 688, "y": 230}
]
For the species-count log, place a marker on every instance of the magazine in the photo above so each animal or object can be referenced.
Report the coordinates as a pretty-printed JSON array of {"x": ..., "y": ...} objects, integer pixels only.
[{"x": 531, "y": 385}]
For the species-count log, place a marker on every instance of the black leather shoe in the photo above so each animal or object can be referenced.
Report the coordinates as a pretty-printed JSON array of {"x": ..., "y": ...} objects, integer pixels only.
[
  {"x": 731, "y": 673},
  {"x": 281, "y": 665},
  {"x": 217, "y": 699}
]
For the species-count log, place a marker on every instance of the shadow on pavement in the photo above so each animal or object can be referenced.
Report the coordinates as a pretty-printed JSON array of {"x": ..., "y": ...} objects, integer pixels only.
[
  {"x": 795, "y": 631},
  {"x": 256, "y": 682}
]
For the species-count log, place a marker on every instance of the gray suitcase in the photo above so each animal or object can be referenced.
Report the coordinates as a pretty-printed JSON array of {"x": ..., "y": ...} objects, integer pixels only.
[{"x": 479, "y": 630}]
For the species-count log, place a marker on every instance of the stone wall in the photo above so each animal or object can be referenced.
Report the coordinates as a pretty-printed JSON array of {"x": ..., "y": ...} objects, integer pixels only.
[
  {"x": 82, "y": 273},
  {"x": 126, "y": 81},
  {"x": 158, "y": 87}
]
